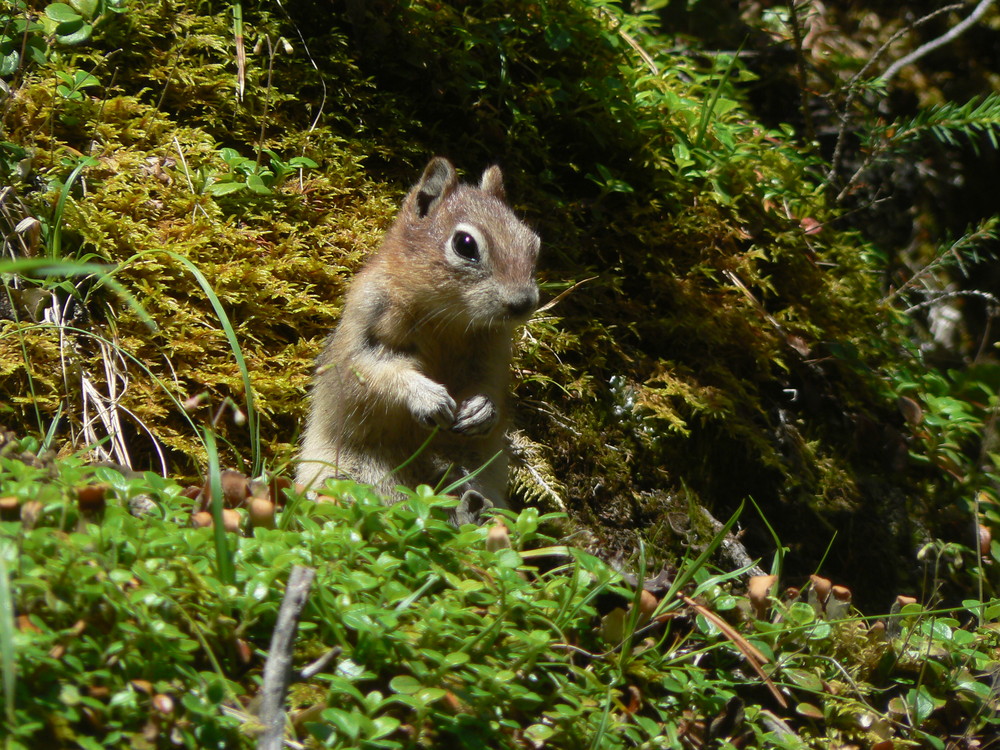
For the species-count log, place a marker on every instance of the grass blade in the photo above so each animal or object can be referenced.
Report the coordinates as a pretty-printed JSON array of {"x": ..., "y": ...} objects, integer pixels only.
[
  {"x": 55, "y": 245},
  {"x": 223, "y": 555},
  {"x": 7, "y": 656},
  {"x": 253, "y": 420},
  {"x": 709, "y": 108},
  {"x": 689, "y": 570},
  {"x": 42, "y": 268}
]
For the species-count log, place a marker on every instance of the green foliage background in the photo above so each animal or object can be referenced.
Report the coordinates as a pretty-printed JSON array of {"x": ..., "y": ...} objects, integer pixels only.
[
  {"x": 740, "y": 252},
  {"x": 724, "y": 333}
]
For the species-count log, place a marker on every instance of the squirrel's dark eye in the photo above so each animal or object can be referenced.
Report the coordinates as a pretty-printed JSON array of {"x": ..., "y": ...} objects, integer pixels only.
[{"x": 465, "y": 245}]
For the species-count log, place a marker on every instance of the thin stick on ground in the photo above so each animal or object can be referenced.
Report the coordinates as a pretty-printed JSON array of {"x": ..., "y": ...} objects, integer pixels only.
[{"x": 278, "y": 667}]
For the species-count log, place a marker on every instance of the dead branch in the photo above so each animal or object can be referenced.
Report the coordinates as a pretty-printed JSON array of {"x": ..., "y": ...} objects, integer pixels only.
[
  {"x": 953, "y": 33},
  {"x": 278, "y": 667}
]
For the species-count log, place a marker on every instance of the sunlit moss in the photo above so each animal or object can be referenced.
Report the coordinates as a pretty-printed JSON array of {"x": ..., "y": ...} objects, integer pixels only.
[{"x": 701, "y": 293}]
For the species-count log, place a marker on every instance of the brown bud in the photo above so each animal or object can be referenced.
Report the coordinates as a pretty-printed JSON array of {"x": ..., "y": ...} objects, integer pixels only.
[
  {"x": 647, "y": 606},
  {"x": 634, "y": 699},
  {"x": 759, "y": 589},
  {"x": 231, "y": 520},
  {"x": 243, "y": 651},
  {"x": 24, "y": 624},
  {"x": 92, "y": 497},
  {"x": 261, "y": 512},
  {"x": 10, "y": 508},
  {"x": 985, "y": 539},
  {"x": 235, "y": 488},
  {"x": 142, "y": 686},
  {"x": 910, "y": 410},
  {"x": 498, "y": 537},
  {"x": 819, "y": 592},
  {"x": 451, "y": 703},
  {"x": 30, "y": 513},
  {"x": 839, "y": 603},
  {"x": 278, "y": 487},
  {"x": 191, "y": 492},
  {"x": 201, "y": 519},
  {"x": 163, "y": 703},
  {"x": 821, "y": 586}
]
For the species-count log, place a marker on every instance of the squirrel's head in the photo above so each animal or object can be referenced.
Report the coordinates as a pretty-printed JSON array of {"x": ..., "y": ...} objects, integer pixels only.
[{"x": 480, "y": 256}]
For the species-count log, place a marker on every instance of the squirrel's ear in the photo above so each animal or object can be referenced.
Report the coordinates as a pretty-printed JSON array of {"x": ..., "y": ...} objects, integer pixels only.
[
  {"x": 492, "y": 183},
  {"x": 436, "y": 183}
]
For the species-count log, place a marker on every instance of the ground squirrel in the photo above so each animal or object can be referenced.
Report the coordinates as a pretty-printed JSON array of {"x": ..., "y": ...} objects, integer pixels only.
[{"x": 424, "y": 341}]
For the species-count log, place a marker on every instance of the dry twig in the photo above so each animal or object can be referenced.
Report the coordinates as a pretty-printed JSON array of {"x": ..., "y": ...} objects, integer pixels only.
[{"x": 278, "y": 667}]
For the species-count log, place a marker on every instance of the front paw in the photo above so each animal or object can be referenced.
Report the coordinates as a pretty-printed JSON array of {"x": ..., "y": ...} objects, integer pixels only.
[
  {"x": 476, "y": 416},
  {"x": 432, "y": 406}
]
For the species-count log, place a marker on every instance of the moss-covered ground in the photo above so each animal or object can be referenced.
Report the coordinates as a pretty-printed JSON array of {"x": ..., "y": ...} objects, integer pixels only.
[{"x": 730, "y": 302}]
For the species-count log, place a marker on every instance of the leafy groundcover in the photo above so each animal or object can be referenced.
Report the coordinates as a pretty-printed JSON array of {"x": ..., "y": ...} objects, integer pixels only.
[
  {"x": 731, "y": 314},
  {"x": 143, "y": 632}
]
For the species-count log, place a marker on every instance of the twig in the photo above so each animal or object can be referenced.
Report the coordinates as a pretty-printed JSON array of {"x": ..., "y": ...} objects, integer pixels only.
[
  {"x": 753, "y": 655},
  {"x": 952, "y": 295},
  {"x": 278, "y": 667},
  {"x": 187, "y": 174},
  {"x": 241, "y": 52},
  {"x": 731, "y": 549},
  {"x": 315, "y": 65},
  {"x": 311, "y": 670},
  {"x": 800, "y": 71},
  {"x": 954, "y": 32},
  {"x": 853, "y": 90},
  {"x": 562, "y": 295}
]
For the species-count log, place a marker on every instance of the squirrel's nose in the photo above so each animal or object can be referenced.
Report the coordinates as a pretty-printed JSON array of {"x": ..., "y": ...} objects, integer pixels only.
[{"x": 522, "y": 303}]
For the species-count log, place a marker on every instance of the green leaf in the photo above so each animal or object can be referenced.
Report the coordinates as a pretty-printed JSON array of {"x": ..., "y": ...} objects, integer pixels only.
[
  {"x": 384, "y": 726},
  {"x": 405, "y": 684},
  {"x": 256, "y": 184},
  {"x": 9, "y": 62},
  {"x": 87, "y": 8},
  {"x": 430, "y": 694},
  {"x": 538, "y": 733},
  {"x": 921, "y": 703},
  {"x": 62, "y": 13},
  {"x": 558, "y": 38},
  {"x": 224, "y": 187},
  {"x": 804, "y": 679},
  {"x": 74, "y": 32},
  {"x": 83, "y": 80},
  {"x": 347, "y": 722}
]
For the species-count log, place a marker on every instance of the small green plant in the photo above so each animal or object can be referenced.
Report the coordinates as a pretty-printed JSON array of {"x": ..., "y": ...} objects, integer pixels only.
[
  {"x": 74, "y": 23},
  {"x": 248, "y": 175},
  {"x": 73, "y": 84},
  {"x": 21, "y": 39}
]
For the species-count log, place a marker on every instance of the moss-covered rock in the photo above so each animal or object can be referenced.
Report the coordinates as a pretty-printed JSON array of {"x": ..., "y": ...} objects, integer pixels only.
[{"x": 713, "y": 335}]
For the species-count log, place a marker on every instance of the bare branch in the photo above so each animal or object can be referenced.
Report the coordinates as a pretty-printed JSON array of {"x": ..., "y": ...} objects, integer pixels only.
[
  {"x": 800, "y": 71},
  {"x": 278, "y": 667},
  {"x": 853, "y": 90},
  {"x": 954, "y": 32}
]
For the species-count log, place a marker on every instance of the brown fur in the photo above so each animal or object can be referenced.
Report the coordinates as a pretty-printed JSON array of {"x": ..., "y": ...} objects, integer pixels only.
[{"x": 424, "y": 340}]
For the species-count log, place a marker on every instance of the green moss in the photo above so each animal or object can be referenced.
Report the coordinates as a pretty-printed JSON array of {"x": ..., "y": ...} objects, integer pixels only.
[{"x": 701, "y": 353}]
